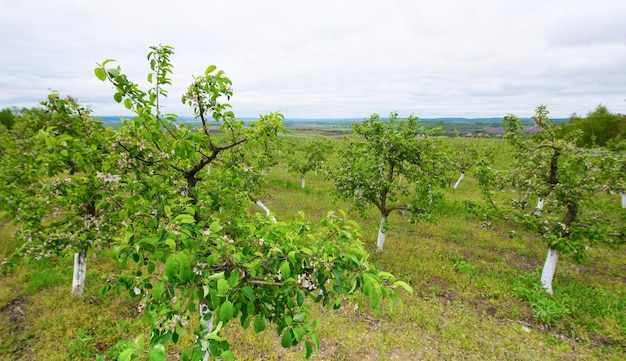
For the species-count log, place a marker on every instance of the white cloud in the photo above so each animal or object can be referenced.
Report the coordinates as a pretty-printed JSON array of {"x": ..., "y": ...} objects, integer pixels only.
[{"x": 331, "y": 58}]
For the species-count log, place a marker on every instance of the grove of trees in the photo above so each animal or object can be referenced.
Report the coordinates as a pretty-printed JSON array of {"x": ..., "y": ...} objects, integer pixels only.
[{"x": 171, "y": 203}]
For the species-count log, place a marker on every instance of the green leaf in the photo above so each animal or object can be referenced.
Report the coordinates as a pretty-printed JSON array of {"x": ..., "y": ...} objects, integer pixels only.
[
  {"x": 157, "y": 291},
  {"x": 128, "y": 104},
  {"x": 117, "y": 97},
  {"x": 222, "y": 287},
  {"x": 157, "y": 353},
  {"x": 259, "y": 324},
  {"x": 100, "y": 74},
  {"x": 226, "y": 311},
  {"x": 228, "y": 355},
  {"x": 298, "y": 333},
  {"x": 184, "y": 218},
  {"x": 184, "y": 272},
  {"x": 285, "y": 270},
  {"x": 126, "y": 355},
  {"x": 404, "y": 285},
  {"x": 249, "y": 292},
  {"x": 210, "y": 69},
  {"x": 299, "y": 317},
  {"x": 309, "y": 349},
  {"x": 234, "y": 278},
  {"x": 287, "y": 340},
  {"x": 171, "y": 266}
]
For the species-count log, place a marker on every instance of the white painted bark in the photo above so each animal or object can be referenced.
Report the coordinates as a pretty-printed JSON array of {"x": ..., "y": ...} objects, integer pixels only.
[
  {"x": 206, "y": 322},
  {"x": 539, "y": 208},
  {"x": 208, "y": 169},
  {"x": 267, "y": 211},
  {"x": 80, "y": 272},
  {"x": 303, "y": 183},
  {"x": 623, "y": 200},
  {"x": 547, "y": 274},
  {"x": 430, "y": 195},
  {"x": 381, "y": 234},
  {"x": 458, "y": 182}
]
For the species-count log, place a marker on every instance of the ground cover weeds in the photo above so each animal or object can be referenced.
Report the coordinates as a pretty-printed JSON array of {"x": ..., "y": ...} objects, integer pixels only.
[{"x": 476, "y": 296}]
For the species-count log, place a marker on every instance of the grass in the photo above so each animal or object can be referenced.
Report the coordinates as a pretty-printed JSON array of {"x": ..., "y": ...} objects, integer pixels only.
[{"x": 476, "y": 295}]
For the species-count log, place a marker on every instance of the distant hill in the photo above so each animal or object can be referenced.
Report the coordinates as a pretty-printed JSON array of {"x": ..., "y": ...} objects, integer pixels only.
[{"x": 111, "y": 120}]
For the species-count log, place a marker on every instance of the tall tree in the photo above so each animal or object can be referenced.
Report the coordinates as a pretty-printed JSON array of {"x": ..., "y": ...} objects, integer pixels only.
[{"x": 377, "y": 155}]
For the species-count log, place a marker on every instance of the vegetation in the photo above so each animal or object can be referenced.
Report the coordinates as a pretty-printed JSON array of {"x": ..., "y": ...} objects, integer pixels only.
[
  {"x": 184, "y": 254},
  {"x": 373, "y": 165},
  {"x": 564, "y": 182},
  {"x": 598, "y": 128}
]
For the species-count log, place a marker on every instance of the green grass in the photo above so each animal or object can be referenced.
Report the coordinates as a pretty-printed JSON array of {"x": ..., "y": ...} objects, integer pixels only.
[{"x": 476, "y": 295}]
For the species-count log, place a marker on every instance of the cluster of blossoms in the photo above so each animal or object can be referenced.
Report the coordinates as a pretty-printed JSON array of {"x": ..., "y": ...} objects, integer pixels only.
[
  {"x": 306, "y": 281},
  {"x": 199, "y": 268},
  {"x": 91, "y": 222},
  {"x": 107, "y": 177},
  {"x": 172, "y": 228},
  {"x": 124, "y": 161}
]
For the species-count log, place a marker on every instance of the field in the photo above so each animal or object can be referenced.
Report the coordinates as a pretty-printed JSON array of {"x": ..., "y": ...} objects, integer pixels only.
[{"x": 476, "y": 293}]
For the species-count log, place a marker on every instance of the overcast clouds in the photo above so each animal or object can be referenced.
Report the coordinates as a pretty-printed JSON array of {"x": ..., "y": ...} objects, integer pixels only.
[{"x": 337, "y": 58}]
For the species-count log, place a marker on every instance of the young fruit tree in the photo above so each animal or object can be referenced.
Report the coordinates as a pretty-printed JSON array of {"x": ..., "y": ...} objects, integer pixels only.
[
  {"x": 190, "y": 247},
  {"x": 380, "y": 152},
  {"x": 465, "y": 156},
  {"x": 65, "y": 204},
  {"x": 564, "y": 181},
  {"x": 615, "y": 168},
  {"x": 309, "y": 155},
  {"x": 248, "y": 166}
]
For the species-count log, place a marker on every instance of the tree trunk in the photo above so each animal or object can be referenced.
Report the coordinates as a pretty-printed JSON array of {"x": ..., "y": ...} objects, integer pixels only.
[
  {"x": 623, "y": 200},
  {"x": 458, "y": 182},
  {"x": 206, "y": 323},
  {"x": 303, "y": 182},
  {"x": 381, "y": 234},
  {"x": 539, "y": 207},
  {"x": 80, "y": 271},
  {"x": 548, "y": 270},
  {"x": 430, "y": 195},
  {"x": 267, "y": 211}
]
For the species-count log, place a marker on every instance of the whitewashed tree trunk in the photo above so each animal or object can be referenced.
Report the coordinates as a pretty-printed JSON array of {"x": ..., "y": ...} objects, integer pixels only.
[
  {"x": 458, "y": 182},
  {"x": 267, "y": 211},
  {"x": 208, "y": 169},
  {"x": 623, "y": 200},
  {"x": 303, "y": 183},
  {"x": 80, "y": 272},
  {"x": 206, "y": 323},
  {"x": 400, "y": 179},
  {"x": 539, "y": 208},
  {"x": 547, "y": 274},
  {"x": 430, "y": 195},
  {"x": 381, "y": 234}
]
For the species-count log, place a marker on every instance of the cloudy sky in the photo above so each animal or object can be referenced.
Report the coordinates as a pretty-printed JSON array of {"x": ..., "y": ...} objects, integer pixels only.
[{"x": 339, "y": 58}]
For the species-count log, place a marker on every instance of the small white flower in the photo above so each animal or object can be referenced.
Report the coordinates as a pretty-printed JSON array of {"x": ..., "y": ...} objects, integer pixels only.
[{"x": 137, "y": 290}]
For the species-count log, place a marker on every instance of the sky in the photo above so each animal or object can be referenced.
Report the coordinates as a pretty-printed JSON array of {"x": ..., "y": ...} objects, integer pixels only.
[{"x": 328, "y": 59}]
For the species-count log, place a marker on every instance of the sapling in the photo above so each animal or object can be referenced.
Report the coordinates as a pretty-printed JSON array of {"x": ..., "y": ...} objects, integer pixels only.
[
  {"x": 66, "y": 211},
  {"x": 197, "y": 252},
  {"x": 378, "y": 154},
  {"x": 309, "y": 155},
  {"x": 566, "y": 181}
]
